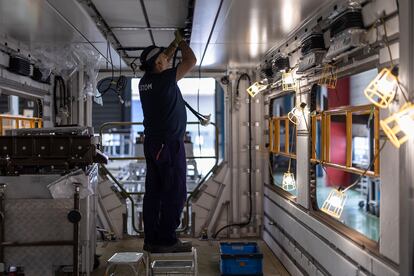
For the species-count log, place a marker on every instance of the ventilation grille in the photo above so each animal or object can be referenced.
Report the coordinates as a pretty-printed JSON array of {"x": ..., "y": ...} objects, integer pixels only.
[
  {"x": 19, "y": 65},
  {"x": 346, "y": 20}
]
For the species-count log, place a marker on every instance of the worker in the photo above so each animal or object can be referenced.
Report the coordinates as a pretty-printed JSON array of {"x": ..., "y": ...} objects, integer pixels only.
[{"x": 165, "y": 121}]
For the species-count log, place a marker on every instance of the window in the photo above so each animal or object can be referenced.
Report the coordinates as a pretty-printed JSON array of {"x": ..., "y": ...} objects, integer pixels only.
[
  {"x": 282, "y": 144},
  {"x": 345, "y": 154}
]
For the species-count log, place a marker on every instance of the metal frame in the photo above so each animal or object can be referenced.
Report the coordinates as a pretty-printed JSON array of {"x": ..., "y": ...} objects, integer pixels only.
[
  {"x": 348, "y": 111},
  {"x": 406, "y": 152},
  {"x": 74, "y": 243},
  {"x": 274, "y": 136}
]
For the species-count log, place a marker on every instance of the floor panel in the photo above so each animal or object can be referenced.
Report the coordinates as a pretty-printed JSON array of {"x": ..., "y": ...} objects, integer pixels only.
[{"x": 208, "y": 257}]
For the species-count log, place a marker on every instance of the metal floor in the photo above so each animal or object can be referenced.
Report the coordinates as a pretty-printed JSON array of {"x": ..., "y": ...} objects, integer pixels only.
[{"x": 208, "y": 257}]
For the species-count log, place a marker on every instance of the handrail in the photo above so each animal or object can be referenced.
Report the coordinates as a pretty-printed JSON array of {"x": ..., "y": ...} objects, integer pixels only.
[
  {"x": 124, "y": 194},
  {"x": 128, "y": 194}
]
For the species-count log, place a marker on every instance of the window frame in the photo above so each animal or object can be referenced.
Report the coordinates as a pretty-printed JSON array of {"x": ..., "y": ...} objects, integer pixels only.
[
  {"x": 274, "y": 145},
  {"x": 324, "y": 118},
  {"x": 348, "y": 111}
]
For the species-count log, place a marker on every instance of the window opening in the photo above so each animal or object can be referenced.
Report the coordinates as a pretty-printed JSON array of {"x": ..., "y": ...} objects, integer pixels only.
[
  {"x": 345, "y": 148},
  {"x": 282, "y": 144}
]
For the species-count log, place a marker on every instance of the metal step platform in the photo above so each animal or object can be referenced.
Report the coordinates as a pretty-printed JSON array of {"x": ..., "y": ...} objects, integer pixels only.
[{"x": 183, "y": 263}]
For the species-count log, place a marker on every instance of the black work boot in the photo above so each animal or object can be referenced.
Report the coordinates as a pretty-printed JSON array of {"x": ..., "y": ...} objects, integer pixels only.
[
  {"x": 149, "y": 248},
  {"x": 179, "y": 246}
]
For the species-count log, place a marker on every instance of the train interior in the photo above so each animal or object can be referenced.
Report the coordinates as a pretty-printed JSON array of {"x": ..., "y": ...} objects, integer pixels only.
[{"x": 299, "y": 142}]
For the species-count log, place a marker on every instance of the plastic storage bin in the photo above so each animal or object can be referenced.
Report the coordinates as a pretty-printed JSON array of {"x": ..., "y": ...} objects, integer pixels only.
[{"x": 238, "y": 258}]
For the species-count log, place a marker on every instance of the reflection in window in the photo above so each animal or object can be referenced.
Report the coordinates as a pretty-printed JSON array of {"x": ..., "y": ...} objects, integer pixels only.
[
  {"x": 353, "y": 143},
  {"x": 283, "y": 144},
  {"x": 361, "y": 210}
]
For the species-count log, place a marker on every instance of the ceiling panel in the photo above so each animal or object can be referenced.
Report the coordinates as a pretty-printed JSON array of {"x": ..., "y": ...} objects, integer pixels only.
[
  {"x": 121, "y": 13},
  {"x": 170, "y": 13},
  {"x": 245, "y": 29},
  {"x": 138, "y": 38},
  {"x": 34, "y": 22},
  {"x": 163, "y": 38}
]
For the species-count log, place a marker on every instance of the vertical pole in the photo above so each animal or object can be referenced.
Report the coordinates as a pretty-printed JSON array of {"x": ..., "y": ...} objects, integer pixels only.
[
  {"x": 2, "y": 218},
  {"x": 406, "y": 170},
  {"x": 287, "y": 134},
  {"x": 76, "y": 233},
  {"x": 348, "y": 126},
  {"x": 376, "y": 141},
  {"x": 80, "y": 103}
]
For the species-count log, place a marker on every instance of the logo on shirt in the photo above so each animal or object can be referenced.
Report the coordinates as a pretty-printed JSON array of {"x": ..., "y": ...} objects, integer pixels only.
[{"x": 145, "y": 87}]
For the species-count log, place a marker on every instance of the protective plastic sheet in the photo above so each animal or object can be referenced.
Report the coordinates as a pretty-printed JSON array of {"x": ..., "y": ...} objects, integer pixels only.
[{"x": 64, "y": 187}]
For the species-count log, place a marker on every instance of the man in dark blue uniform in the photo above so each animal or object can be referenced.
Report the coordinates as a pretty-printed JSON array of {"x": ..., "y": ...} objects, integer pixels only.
[{"x": 165, "y": 120}]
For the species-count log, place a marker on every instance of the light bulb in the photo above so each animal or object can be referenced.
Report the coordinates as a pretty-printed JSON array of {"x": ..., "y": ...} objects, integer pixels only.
[
  {"x": 288, "y": 81},
  {"x": 406, "y": 122},
  {"x": 399, "y": 127},
  {"x": 334, "y": 203},
  {"x": 288, "y": 182},
  {"x": 293, "y": 115},
  {"x": 256, "y": 88},
  {"x": 381, "y": 90}
]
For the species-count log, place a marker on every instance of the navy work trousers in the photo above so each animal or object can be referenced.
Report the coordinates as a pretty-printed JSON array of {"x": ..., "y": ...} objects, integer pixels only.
[{"x": 165, "y": 190}]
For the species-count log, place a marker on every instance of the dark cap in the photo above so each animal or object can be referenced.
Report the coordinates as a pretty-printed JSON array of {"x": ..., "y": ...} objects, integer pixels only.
[{"x": 148, "y": 57}]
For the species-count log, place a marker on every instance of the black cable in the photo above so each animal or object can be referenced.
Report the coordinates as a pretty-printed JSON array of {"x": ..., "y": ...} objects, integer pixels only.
[
  {"x": 242, "y": 224},
  {"x": 112, "y": 74}
]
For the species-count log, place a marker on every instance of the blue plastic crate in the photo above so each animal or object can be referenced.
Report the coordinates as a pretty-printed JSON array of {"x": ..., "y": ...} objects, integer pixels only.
[{"x": 238, "y": 258}]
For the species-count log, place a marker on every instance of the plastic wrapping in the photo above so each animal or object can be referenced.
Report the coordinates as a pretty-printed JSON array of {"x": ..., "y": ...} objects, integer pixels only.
[
  {"x": 90, "y": 60},
  {"x": 66, "y": 59},
  {"x": 64, "y": 186}
]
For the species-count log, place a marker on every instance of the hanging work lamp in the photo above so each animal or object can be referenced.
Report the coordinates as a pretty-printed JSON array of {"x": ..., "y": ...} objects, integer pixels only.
[
  {"x": 399, "y": 127},
  {"x": 334, "y": 203},
  {"x": 381, "y": 90}
]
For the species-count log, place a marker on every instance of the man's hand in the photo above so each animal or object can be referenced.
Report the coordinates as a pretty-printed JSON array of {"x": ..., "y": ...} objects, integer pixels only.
[{"x": 178, "y": 36}]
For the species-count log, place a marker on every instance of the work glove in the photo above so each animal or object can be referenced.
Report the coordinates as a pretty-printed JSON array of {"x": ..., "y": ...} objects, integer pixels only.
[{"x": 178, "y": 36}]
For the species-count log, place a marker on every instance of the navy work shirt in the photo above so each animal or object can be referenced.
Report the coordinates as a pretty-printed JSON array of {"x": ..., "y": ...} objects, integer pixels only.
[{"x": 165, "y": 116}]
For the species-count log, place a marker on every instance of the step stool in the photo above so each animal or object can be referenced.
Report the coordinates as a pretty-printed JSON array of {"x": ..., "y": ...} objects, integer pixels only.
[
  {"x": 182, "y": 263},
  {"x": 131, "y": 259}
]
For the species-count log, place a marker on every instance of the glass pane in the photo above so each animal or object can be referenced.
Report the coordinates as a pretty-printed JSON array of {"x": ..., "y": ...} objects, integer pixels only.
[
  {"x": 362, "y": 203},
  {"x": 338, "y": 140},
  {"x": 292, "y": 138},
  {"x": 362, "y": 141},
  {"x": 282, "y": 136}
]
